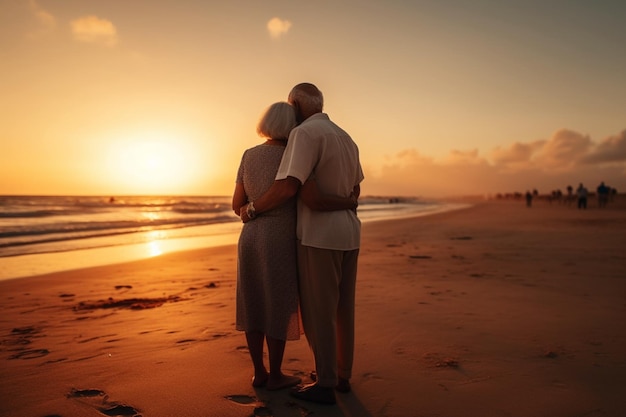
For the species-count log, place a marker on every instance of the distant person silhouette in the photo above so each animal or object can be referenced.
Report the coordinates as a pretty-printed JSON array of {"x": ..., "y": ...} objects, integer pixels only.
[
  {"x": 570, "y": 194},
  {"x": 603, "y": 194},
  {"x": 529, "y": 199},
  {"x": 582, "y": 193}
]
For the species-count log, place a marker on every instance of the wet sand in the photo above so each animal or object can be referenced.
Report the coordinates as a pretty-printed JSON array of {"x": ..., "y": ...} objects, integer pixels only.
[{"x": 494, "y": 310}]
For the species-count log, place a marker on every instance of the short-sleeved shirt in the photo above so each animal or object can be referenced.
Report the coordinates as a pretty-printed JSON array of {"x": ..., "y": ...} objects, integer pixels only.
[{"x": 319, "y": 148}]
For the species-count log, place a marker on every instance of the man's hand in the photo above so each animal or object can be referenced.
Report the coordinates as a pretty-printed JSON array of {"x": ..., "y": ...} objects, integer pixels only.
[
  {"x": 355, "y": 200},
  {"x": 277, "y": 195}
]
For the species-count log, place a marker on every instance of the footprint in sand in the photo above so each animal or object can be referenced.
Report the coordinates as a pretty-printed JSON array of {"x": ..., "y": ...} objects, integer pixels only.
[
  {"x": 77, "y": 393},
  {"x": 30, "y": 354},
  {"x": 67, "y": 297},
  {"x": 130, "y": 303},
  {"x": 26, "y": 332},
  {"x": 21, "y": 337},
  {"x": 119, "y": 410},
  {"x": 123, "y": 287},
  {"x": 260, "y": 410},
  {"x": 242, "y": 399},
  {"x": 104, "y": 406},
  {"x": 369, "y": 375},
  {"x": 91, "y": 339},
  {"x": 185, "y": 341}
]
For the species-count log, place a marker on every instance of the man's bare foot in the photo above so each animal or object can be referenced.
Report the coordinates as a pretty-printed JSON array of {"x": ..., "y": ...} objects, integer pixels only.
[
  {"x": 315, "y": 393},
  {"x": 285, "y": 381},
  {"x": 343, "y": 385},
  {"x": 260, "y": 380}
]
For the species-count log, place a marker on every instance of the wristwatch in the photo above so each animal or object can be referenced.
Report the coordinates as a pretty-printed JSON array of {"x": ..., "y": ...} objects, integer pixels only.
[{"x": 250, "y": 210}]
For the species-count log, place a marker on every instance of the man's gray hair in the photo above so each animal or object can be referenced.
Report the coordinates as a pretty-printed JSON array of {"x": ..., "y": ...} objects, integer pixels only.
[{"x": 307, "y": 95}]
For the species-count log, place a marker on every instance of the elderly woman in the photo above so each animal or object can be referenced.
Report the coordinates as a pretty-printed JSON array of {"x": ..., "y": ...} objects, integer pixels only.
[{"x": 267, "y": 280}]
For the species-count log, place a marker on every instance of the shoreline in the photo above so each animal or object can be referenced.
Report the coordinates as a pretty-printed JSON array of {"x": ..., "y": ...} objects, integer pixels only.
[
  {"x": 495, "y": 310},
  {"x": 219, "y": 234},
  {"x": 24, "y": 266}
]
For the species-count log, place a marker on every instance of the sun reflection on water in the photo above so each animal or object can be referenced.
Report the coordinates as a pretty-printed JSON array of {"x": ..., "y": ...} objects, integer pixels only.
[
  {"x": 154, "y": 249},
  {"x": 152, "y": 215},
  {"x": 154, "y": 242}
]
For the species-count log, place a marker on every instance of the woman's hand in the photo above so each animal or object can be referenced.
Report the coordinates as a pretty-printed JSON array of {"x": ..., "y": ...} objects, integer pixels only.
[{"x": 315, "y": 199}]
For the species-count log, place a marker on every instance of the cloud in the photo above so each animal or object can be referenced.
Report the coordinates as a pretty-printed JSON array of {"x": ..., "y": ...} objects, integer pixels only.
[
  {"x": 610, "y": 150},
  {"x": 278, "y": 27},
  {"x": 92, "y": 29},
  {"x": 516, "y": 154},
  {"x": 564, "y": 149},
  {"x": 46, "y": 22},
  {"x": 566, "y": 158},
  {"x": 410, "y": 157},
  {"x": 409, "y": 174},
  {"x": 471, "y": 157}
]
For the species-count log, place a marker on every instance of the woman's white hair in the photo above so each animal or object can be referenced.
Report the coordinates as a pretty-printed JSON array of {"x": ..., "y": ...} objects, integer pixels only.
[{"x": 277, "y": 121}]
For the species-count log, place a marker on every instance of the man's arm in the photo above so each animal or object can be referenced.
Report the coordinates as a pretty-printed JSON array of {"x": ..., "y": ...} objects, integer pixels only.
[
  {"x": 312, "y": 196},
  {"x": 278, "y": 194}
]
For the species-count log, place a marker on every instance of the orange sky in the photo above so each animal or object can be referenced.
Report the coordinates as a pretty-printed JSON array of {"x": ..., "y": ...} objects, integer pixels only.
[{"x": 443, "y": 97}]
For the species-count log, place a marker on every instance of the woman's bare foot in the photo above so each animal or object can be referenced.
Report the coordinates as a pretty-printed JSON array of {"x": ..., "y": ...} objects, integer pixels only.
[{"x": 284, "y": 381}]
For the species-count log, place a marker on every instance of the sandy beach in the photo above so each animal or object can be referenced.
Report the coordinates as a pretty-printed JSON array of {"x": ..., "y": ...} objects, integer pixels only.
[{"x": 493, "y": 310}]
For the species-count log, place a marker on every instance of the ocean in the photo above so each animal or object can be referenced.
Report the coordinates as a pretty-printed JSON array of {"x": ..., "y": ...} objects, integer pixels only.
[{"x": 41, "y": 234}]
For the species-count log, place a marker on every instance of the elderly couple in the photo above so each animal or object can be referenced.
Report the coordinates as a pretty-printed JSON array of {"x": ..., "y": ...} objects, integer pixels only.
[{"x": 297, "y": 196}]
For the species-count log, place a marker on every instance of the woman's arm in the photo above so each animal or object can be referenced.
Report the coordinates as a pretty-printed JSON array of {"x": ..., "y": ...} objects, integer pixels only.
[
  {"x": 312, "y": 196},
  {"x": 240, "y": 198}
]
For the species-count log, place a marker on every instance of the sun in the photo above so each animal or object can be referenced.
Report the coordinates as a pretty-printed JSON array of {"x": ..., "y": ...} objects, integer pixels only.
[
  {"x": 152, "y": 163},
  {"x": 149, "y": 161}
]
